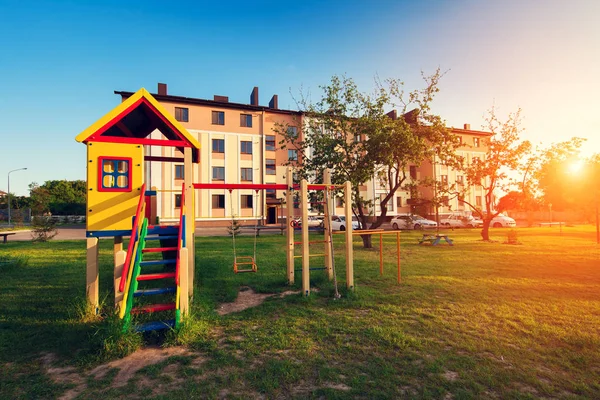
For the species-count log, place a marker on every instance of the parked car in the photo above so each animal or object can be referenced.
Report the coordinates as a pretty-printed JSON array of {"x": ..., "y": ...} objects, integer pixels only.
[
  {"x": 315, "y": 221},
  {"x": 412, "y": 221},
  {"x": 503, "y": 221},
  {"x": 460, "y": 221},
  {"x": 338, "y": 223}
]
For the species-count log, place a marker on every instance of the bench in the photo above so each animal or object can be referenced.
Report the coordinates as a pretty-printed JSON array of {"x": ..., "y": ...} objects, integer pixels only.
[
  {"x": 560, "y": 224},
  {"x": 263, "y": 228},
  {"x": 435, "y": 239},
  {"x": 5, "y": 236}
]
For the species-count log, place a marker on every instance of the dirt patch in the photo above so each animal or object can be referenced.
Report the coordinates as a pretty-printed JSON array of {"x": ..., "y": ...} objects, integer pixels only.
[
  {"x": 247, "y": 298},
  {"x": 337, "y": 386},
  {"x": 131, "y": 364},
  {"x": 450, "y": 376},
  {"x": 66, "y": 375}
]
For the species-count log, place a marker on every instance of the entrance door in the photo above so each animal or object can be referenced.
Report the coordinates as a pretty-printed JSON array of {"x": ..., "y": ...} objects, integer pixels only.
[{"x": 272, "y": 215}]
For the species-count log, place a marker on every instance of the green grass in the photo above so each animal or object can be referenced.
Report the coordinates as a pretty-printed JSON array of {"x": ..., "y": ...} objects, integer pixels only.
[{"x": 475, "y": 320}]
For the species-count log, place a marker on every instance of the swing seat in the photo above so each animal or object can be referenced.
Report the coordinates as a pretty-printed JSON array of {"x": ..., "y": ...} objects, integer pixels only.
[{"x": 244, "y": 260}]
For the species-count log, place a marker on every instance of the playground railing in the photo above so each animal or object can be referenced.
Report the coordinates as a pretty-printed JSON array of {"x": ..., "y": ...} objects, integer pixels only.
[
  {"x": 181, "y": 237},
  {"x": 129, "y": 259}
]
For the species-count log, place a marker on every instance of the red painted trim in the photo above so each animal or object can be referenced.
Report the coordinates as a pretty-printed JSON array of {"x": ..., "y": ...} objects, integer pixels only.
[
  {"x": 158, "y": 249},
  {"x": 255, "y": 186},
  {"x": 151, "y": 277},
  {"x": 96, "y": 135},
  {"x": 153, "y": 308},
  {"x": 101, "y": 187},
  {"x": 164, "y": 159},
  {"x": 156, "y": 142},
  {"x": 234, "y": 186},
  {"x": 166, "y": 121}
]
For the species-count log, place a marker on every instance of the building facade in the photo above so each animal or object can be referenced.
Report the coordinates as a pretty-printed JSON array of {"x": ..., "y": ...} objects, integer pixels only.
[{"x": 240, "y": 144}]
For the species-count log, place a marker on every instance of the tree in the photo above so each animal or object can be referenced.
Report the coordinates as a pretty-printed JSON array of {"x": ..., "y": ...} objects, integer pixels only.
[
  {"x": 351, "y": 133},
  {"x": 505, "y": 150},
  {"x": 44, "y": 227},
  {"x": 555, "y": 176}
]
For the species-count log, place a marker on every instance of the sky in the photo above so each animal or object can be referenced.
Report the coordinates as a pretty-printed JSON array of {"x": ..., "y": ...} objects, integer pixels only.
[{"x": 60, "y": 62}]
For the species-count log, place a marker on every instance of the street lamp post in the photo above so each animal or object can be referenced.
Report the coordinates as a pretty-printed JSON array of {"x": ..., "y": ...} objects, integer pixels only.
[{"x": 8, "y": 194}]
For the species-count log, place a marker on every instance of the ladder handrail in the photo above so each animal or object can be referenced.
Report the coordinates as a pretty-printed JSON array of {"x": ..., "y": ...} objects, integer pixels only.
[
  {"x": 181, "y": 234},
  {"x": 134, "y": 238}
]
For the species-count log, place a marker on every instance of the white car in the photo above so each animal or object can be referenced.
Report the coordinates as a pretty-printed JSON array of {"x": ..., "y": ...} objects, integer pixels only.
[
  {"x": 460, "y": 221},
  {"x": 412, "y": 221},
  {"x": 338, "y": 223},
  {"x": 503, "y": 221}
]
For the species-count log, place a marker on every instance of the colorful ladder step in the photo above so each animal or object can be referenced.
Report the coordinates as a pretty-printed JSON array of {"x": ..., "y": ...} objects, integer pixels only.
[
  {"x": 155, "y": 326},
  {"x": 156, "y": 291},
  {"x": 153, "y": 308},
  {"x": 158, "y": 262},
  {"x": 151, "y": 277}
]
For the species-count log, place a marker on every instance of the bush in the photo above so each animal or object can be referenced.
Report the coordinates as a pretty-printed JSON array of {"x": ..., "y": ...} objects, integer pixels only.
[{"x": 234, "y": 227}]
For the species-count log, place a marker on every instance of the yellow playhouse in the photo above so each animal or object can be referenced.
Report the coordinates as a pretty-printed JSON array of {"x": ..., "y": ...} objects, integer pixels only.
[{"x": 119, "y": 204}]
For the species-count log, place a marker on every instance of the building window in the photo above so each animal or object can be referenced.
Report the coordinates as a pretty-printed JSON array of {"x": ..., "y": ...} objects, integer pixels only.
[
  {"x": 246, "y": 174},
  {"x": 476, "y": 142},
  {"x": 478, "y": 201},
  {"x": 292, "y": 131},
  {"x": 460, "y": 180},
  {"x": 357, "y": 138},
  {"x": 271, "y": 194},
  {"x": 413, "y": 172},
  {"x": 218, "y": 118},
  {"x": 218, "y": 173},
  {"x": 246, "y": 147},
  {"x": 270, "y": 166},
  {"x": 179, "y": 172},
  {"x": 114, "y": 174},
  {"x": 246, "y": 120},
  {"x": 177, "y": 201},
  {"x": 444, "y": 179},
  {"x": 398, "y": 201},
  {"x": 218, "y": 201},
  {"x": 218, "y": 145},
  {"x": 293, "y": 155},
  {"x": 246, "y": 201},
  {"x": 460, "y": 141},
  {"x": 270, "y": 143},
  {"x": 181, "y": 114},
  {"x": 339, "y": 202}
]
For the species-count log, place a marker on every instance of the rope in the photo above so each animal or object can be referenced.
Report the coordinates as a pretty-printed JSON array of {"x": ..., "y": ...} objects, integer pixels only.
[{"x": 335, "y": 285}]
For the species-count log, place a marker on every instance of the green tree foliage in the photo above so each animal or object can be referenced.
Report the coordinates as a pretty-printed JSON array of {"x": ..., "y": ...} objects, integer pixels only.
[
  {"x": 505, "y": 152},
  {"x": 352, "y": 134}
]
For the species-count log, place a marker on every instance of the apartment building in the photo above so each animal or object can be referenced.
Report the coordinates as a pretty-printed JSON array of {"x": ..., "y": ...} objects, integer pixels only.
[
  {"x": 419, "y": 202},
  {"x": 238, "y": 145}
]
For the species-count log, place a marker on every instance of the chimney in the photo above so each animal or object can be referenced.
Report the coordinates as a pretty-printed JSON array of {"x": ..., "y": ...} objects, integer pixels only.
[
  {"x": 162, "y": 89},
  {"x": 393, "y": 115},
  {"x": 274, "y": 103},
  {"x": 254, "y": 96},
  {"x": 467, "y": 127},
  {"x": 221, "y": 99}
]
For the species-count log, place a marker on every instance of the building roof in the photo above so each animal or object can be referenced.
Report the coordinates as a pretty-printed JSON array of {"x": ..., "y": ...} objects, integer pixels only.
[
  {"x": 133, "y": 120},
  {"x": 2, "y": 193},
  {"x": 469, "y": 132},
  {"x": 212, "y": 103}
]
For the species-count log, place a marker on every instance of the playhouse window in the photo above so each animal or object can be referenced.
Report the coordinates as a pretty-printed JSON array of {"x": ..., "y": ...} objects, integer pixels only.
[{"x": 114, "y": 175}]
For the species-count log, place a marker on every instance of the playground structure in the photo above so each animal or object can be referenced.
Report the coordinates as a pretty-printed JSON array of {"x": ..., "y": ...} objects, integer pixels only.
[{"x": 120, "y": 205}]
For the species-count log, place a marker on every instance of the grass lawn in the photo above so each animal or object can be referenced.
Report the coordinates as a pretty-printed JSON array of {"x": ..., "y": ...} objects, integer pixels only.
[{"x": 475, "y": 320}]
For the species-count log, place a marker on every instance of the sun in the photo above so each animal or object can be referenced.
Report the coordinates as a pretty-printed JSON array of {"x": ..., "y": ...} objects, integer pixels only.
[{"x": 576, "y": 166}]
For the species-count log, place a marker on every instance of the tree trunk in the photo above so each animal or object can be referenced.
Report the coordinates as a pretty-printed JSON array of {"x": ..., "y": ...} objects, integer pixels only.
[
  {"x": 367, "y": 241},
  {"x": 485, "y": 231}
]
